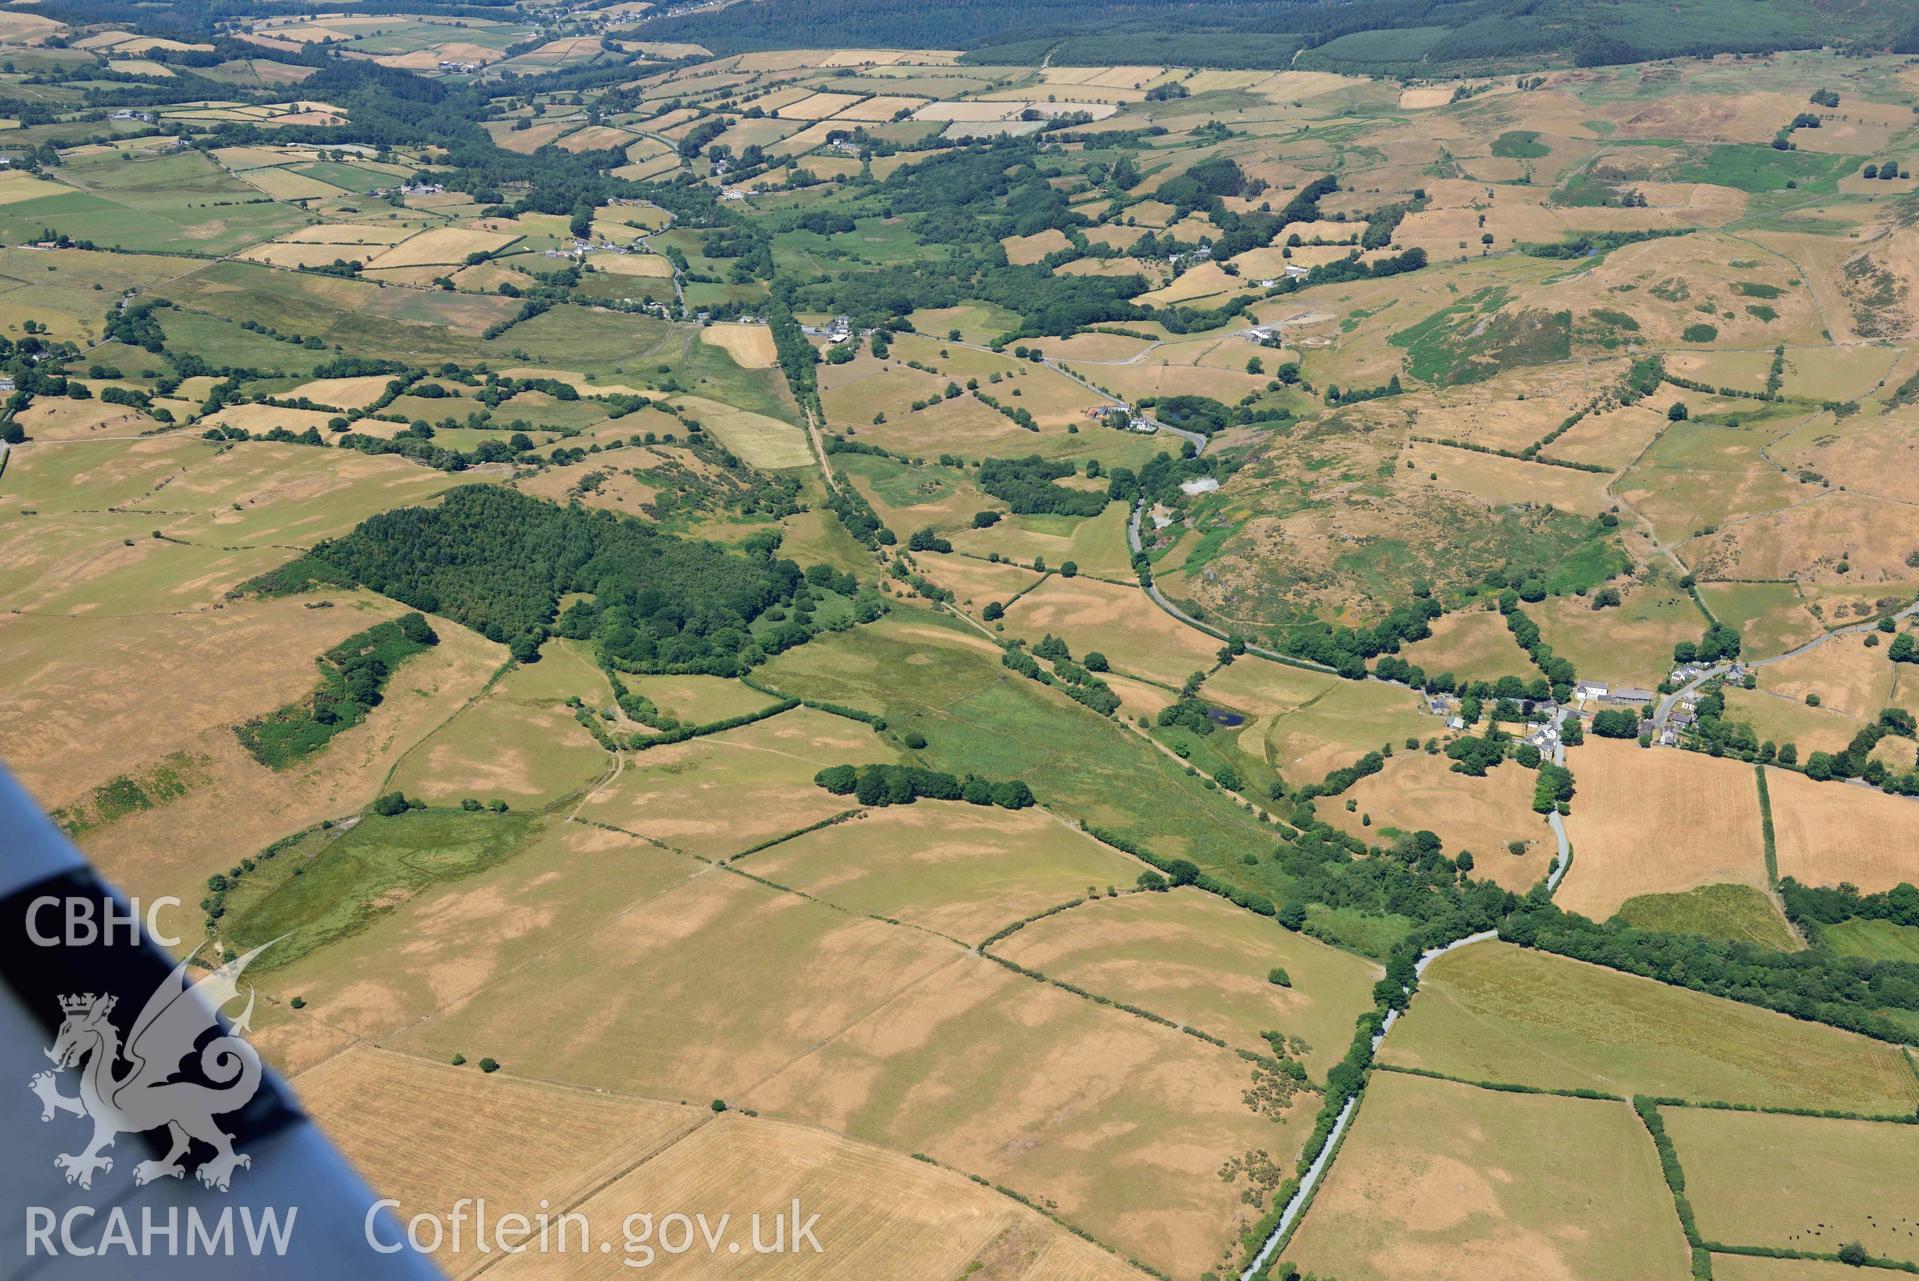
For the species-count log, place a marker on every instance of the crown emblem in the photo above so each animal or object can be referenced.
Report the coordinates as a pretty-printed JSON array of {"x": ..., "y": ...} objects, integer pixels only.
[{"x": 81, "y": 1004}]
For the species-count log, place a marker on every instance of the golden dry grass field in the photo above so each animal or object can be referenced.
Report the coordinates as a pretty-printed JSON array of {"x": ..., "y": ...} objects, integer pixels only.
[
  {"x": 1446, "y": 1182},
  {"x": 1829, "y": 833},
  {"x": 1092, "y": 615},
  {"x": 1657, "y": 822},
  {"x": 1482, "y": 816},
  {"x": 958, "y": 870},
  {"x": 874, "y": 1208},
  {"x": 1799, "y": 1183},
  {"x": 1190, "y": 957},
  {"x": 1472, "y": 646}
]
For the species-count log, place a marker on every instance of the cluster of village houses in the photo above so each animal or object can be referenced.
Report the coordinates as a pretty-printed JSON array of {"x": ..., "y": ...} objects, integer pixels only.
[{"x": 1544, "y": 719}]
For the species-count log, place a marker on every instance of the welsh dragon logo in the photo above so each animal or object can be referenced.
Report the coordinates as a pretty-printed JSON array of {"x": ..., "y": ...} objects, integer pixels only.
[{"x": 135, "y": 1086}]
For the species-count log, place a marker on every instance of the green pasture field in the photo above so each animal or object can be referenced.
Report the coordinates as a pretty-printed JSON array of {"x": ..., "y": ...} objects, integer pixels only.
[
  {"x": 69, "y": 276},
  {"x": 158, "y": 219},
  {"x": 332, "y": 884},
  {"x": 908, "y": 497},
  {"x": 350, "y": 177},
  {"x": 292, "y": 302},
  {"x": 925, "y": 673},
  {"x": 1096, "y": 544},
  {"x": 1500, "y": 1013},
  {"x": 1520, "y": 144},
  {"x": 1872, "y": 940},
  {"x": 548, "y": 412},
  {"x": 1756, "y": 168},
  {"x": 1771, "y": 617},
  {"x": 1238, "y": 748},
  {"x": 197, "y": 332},
  {"x": 876, "y": 242},
  {"x": 1361, "y": 932},
  {"x": 1716, "y": 911},
  {"x": 605, "y": 346}
]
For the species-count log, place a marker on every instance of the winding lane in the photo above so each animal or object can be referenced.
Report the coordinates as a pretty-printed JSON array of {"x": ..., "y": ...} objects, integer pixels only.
[{"x": 1309, "y": 1182}]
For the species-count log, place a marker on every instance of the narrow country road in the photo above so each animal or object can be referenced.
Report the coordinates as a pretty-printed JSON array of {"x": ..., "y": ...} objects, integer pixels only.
[
  {"x": 1153, "y": 593},
  {"x": 1310, "y": 1181},
  {"x": 1666, "y": 704}
]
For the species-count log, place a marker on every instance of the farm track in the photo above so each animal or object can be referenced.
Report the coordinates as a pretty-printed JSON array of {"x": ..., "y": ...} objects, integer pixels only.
[{"x": 1196, "y": 439}]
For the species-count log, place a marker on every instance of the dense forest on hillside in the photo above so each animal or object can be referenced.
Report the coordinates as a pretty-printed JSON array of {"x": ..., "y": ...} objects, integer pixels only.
[
  {"x": 206, "y": 16},
  {"x": 1366, "y": 36},
  {"x": 499, "y": 562}
]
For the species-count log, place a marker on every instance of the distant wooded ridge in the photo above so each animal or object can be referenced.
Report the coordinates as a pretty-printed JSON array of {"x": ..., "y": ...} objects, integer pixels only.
[{"x": 1378, "y": 37}]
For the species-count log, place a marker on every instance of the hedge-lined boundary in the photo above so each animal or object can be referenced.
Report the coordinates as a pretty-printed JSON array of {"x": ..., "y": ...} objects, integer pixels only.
[
  {"x": 641, "y": 742},
  {"x": 1501, "y": 1087},
  {"x": 1110, "y": 1003},
  {"x": 797, "y": 832},
  {"x": 1827, "y": 1114},
  {"x": 1783, "y": 1252},
  {"x": 832, "y": 709},
  {"x": 1648, "y": 1112},
  {"x": 1765, "y": 827}
]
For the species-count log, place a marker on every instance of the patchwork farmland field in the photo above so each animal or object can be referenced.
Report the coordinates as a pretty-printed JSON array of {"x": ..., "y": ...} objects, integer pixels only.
[
  {"x": 1503, "y": 1014},
  {"x": 1448, "y": 1181},
  {"x": 1798, "y": 1183},
  {"x": 1653, "y": 824},
  {"x": 992, "y": 619},
  {"x": 1188, "y": 957}
]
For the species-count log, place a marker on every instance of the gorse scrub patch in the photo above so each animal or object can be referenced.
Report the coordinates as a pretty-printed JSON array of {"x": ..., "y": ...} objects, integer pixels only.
[
  {"x": 125, "y": 794},
  {"x": 353, "y": 679},
  {"x": 1472, "y": 340},
  {"x": 1520, "y": 144}
]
